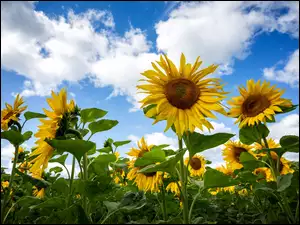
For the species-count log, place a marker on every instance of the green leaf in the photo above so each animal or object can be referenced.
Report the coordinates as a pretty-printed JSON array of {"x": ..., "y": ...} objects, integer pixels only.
[
  {"x": 61, "y": 159},
  {"x": 133, "y": 201},
  {"x": 82, "y": 217},
  {"x": 111, "y": 206},
  {"x": 214, "y": 178},
  {"x": 55, "y": 203},
  {"x": 290, "y": 143},
  {"x": 56, "y": 169},
  {"x": 250, "y": 134},
  {"x": 61, "y": 186},
  {"x": 120, "y": 143},
  {"x": 102, "y": 125},
  {"x": 32, "y": 115},
  {"x": 91, "y": 152},
  {"x": 156, "y": 155},
  {"x": 287, "y": 109},
  {"x": 106, "y": 149},
  {"x": 249, "y": 161},
  {"x": 14, "y": 137},
  {"x": 91, "y": 114},
  {"x": 26, "y": 201},
  {"x": 33, "y": 181},
  {"x": 27, "y": 135},
  {"x": 196, "y": 142},
  {"x": 265, "y": 186},
  {"x": 83, "y": 132},
  {"x": 166, "y": 166},
  {"x": 76, "y": 147},
  {"x": 100, "y": 163},
  {"x": 169, "y": 152},
  {"x": 284, "y": 181}
]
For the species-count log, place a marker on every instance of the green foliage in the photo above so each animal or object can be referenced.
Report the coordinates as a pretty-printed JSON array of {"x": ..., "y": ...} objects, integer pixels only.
[
  {"x": 120, "y": 143},
  {"x": 154, "y": 156},
  {"x": 214, "y": 178},
  {"x": 14, "y": 137},
  {"x": 196, "y": 142},
  {"x": 250, "y": 134},
  {"x": 290, "y": 143},
  {"x": 33, "y": 115},
  {"x": 102, "y": 125},
  {"x": 91, "y": 114}
]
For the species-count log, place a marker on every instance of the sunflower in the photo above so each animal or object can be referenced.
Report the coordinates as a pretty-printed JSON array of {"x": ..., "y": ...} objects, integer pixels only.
[
  {"x": 196, "y": 165},
  {"x": 38, "y": 193},
  {"x": 182, "y": 96},
  {"x": 4, "y": 184},
  {"x": 258, "y": 103},
  {"x": 24, "y": 166},
  {"x": 10, "y": 113},
  {"x": 118, "y": 173},
  {"x": 148, "y": 181},
  {"x": 173, "y": 187},
  {"x": 271, "y": 144},
  {"x": 228, "y": 170},
  {"x": 232, "y": 152},
  {"x": 265, "y": 172},
  {"x": 49, "y": 129},
  {"x": 284, "y": 164}
]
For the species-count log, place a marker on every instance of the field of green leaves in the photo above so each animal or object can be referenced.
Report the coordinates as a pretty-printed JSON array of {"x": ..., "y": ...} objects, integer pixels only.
[{"x": 153, "y": 184}]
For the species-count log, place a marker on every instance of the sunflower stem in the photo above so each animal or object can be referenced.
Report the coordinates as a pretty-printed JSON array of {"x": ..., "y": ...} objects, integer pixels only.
[
  {"x": 192, "y": 205},
  {"x": 85, "y": 176},
  {"x": 270, "y": 159},
  {"x": 6, "y": 197},
  {"x": 71, "y": 180},
  {"x": 183, "y": 186},
  {"x": 164, "y": 206}
]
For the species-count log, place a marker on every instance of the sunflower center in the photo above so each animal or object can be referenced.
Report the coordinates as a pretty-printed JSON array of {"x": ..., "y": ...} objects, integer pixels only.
[
  {"x": 237, "y": 153},
  {"x": 150, "y": 174},
  {"x": 195, "y": 163},
  {"x": 182, "y": 93},
  {"x": 254, "y": 105},
  {"x": 8, "y": 115}
]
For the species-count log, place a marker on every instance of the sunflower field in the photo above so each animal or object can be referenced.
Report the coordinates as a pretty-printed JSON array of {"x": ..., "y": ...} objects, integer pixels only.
[{"x": 154, "y": 184}]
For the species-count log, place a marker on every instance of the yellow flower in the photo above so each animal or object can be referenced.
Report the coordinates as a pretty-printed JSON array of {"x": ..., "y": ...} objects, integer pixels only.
[
  {"x": 78, "y": 196},
  {"x": 271, "y": 144},
  {"x": 173, "y": 187},
  {"x": 232, "y": 152},
  {"x": 10, "y": 113},
  {"x": 284, "y": 164},
  {"x": 48, "y": 129},
  {"x": 257, "y": 103},
  {"x": 148, "y": 181},
  {"x": 4, "y": 184},
  {"x": 182, "y": 96},
  {"x": 196, "y": 166},
  {"x": 265, "y": 172},
  {"x": 228, "y": 170},
  {"x": 38, "y": 193},
  {"x": 24, "y": 166}
]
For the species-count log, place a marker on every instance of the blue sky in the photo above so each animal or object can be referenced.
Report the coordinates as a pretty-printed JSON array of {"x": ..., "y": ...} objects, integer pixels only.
[{"x": 97, "y": 50}]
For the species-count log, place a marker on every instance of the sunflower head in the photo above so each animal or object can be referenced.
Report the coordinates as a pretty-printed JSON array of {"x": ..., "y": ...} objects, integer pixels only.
[
  {"x": 173, "y": 187},
  {"x": 228, "y": 170},
  {"x": 144, "y": 181},
  {"x": 38, "y": 193},
  {"x": 257, "y": 103},
  {"x": 233, "y": 151},
  {"x": 184, "y": 97},
  {"x": 10, "y": 114},
  {"x": 4, "y": 184},
  {"x": 271, "y": 144},
  {"x": 196, "y": 165},
  {"x": 264, "y": 172}
]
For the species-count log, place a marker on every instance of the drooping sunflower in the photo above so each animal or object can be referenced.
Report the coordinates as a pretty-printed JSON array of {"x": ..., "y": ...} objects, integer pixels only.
[
  {"x": 196, "y": 166},
  {"x": 173, "y": 187},
  {"x": 265, "y": 172},
  {"x": 256, "y": 104},
  {"x": 148, "y": 181},
  {"x": 232, "y": 152},
  {"x": 50, "y": 128},
  {"x": 182, "y": 96},
  {"x": 10, "y": 113},
  {"x": 38, "y": 193}
]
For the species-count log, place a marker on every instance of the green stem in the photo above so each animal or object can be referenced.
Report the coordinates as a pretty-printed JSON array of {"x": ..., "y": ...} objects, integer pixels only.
[
  {"x": 23, "y": 124},
  {"x": 192, "y": 205},
  {"x": 297, "y": 212},
  {"x": 270, "y": 159},
  {"x": 183, "y": 186},
  {"x": 164, "y": 206},
  {"x": 6, "y": 197},
  {"x": 71, "y": 180},
  {"x": 85, "y": 176}
]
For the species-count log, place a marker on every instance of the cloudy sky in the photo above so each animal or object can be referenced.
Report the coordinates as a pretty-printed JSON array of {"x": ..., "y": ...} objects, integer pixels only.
[{"x": 97, "y": 51}]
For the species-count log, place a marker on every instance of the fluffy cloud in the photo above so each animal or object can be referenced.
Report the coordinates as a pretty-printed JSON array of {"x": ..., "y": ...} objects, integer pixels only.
[
  {"x": 222, "y": 31},
  {"x": 50, "y": 50},
  {"x": 289, "y": 74},
  {"x": 289, "y": 125}
]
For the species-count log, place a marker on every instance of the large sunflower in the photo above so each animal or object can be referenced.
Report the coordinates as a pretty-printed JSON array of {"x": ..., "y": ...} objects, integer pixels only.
[
  {"x": 196, "y": 166},
  {"x": 148, "y": 181},
  {"x": 10, "y": 113},
  {"x": 49, "y": 129},
  {"x": 232, "y": 152},
  {"x": 256, "y": 104},
  {"x": 182, "y": 96}
]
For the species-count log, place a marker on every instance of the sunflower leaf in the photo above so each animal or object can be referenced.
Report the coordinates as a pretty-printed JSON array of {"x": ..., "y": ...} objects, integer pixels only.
[
  {"x": 61, "y": 160},
  {"x": 100, "y": 163},
  {"x": 290, "y": 143},
  {"x": 249, "y": 161},
  {"x": 120, "y": 143},
  {"x": 154, "y": 156},
  {"x": 102, "y": 125},
  {"x": 286, "y": 109},
  {"x": 14, "y": 137},
  {"x": 250, "y": 134},
  {"x": 76, "y": 147},
  {"x": 32, "y": 115},
  {"x": 284, "y": 181},
  {"x": 91, "y": 114},
  {"x": 214, "y": 178},
  {"x": 196, "y": 142},
  {"x": 36, "y": 182},
  {"x": 56, "y": 169}
]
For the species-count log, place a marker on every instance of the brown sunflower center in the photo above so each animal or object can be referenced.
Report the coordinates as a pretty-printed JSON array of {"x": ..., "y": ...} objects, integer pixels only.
[
  {"x": 141, "y": 153},
  {"x": 195, "y": 163},
  {"x": 237, "y": 153},
  {"x": 182, "y": 93},
  {"x": 150, "y": 174},
  {"x": 254, "y": 105}
]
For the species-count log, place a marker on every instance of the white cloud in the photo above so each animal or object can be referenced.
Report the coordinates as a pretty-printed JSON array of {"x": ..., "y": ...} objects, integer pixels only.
[
  {"x": 50, "y": 50},
  {"x": 289, "y": 74},
  {"x": 222, "y": 31},
  {"x": 289, "y": 125}
]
